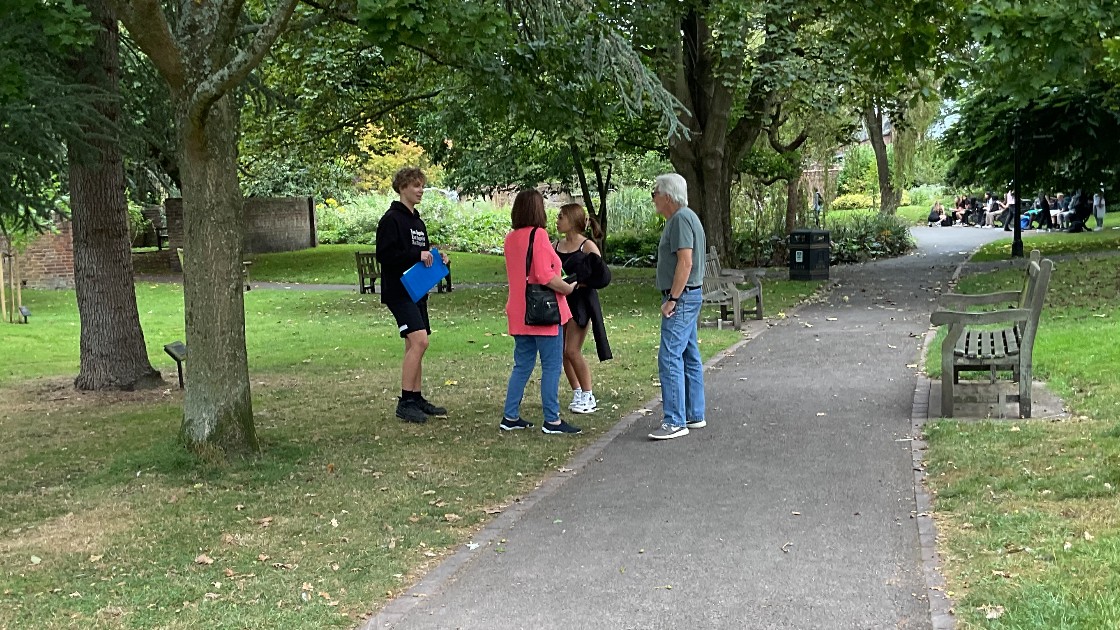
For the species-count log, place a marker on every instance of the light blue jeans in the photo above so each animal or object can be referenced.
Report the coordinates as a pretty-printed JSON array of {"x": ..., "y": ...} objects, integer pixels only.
[
  {"x": 525, "y": 351},
  {"x": 679, "y": 365}
]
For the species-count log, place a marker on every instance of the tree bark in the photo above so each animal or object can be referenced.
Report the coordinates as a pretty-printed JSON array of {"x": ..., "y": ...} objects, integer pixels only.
[
  {"x": 112, "y": 352},
  {"x": 217, "y": 407},
  {"x": 708, "y": 159},
  {"x": 889, "y": 198}
]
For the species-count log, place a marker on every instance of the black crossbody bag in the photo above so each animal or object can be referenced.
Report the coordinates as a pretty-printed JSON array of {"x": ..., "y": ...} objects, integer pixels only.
[{"x": 542, "y": 306}]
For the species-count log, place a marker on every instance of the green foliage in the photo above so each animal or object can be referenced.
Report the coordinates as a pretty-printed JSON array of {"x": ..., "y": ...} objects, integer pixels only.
[
  {"x": 42, "y": 108},
  {"x": 632, "y": 249},
  {"x": 353, "y": 222},
  {"x": 925, "y": 195},
  {"x": 137, "y": 224},
  {"x": 1062, "y": 141},
  {"x": 858, "y": 236},
  {"x": 858, "y": 174},
  {"x": 290, "y": 176},
  {"x": 931, "y": 162},
  {"x": 853, "y": 201}
]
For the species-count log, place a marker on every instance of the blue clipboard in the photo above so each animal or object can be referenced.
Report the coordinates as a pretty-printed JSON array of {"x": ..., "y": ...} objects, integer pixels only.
[{"x": 418, "y": 279}]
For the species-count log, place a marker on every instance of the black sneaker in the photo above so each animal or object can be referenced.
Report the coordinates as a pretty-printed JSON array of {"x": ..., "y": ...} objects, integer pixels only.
[
  {"x": 560, "y": 428},
  {"x": 410, "y": 411},
  {"x": 431, "y": 409},
  {"x": 513, "y": 425}
]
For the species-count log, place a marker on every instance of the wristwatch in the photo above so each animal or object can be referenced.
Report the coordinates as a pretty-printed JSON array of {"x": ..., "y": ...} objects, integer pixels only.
[{"x": 673, "y": 299}]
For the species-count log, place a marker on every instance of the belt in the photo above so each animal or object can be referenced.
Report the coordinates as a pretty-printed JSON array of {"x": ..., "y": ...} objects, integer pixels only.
[{"x": 666, "y": 292}]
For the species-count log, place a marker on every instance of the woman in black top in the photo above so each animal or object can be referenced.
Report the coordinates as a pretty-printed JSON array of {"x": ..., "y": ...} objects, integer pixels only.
[{"x": 583, "y": 264}]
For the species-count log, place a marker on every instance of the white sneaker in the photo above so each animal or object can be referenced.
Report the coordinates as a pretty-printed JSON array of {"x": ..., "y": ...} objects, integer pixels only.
[
  {"x": 577, "y": 400},
  {"x": 587, "y": 404}
]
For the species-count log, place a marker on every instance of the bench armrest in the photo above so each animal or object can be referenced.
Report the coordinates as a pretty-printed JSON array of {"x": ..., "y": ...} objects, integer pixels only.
[
  {"x": 951, "y": 300},
  {"x": 1011, "y": 315}
]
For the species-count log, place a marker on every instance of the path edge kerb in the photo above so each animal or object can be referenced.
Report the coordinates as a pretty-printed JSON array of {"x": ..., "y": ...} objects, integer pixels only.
[
  {"x": 940, "y": 605},
  {"x": 434, "y": 581}
]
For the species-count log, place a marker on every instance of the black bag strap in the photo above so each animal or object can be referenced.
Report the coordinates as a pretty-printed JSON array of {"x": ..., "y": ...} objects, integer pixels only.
[{"x": 529, "y": 255}]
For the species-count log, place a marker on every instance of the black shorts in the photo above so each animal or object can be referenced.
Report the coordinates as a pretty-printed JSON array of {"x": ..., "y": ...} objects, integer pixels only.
[{"x": 411, "y": 316}]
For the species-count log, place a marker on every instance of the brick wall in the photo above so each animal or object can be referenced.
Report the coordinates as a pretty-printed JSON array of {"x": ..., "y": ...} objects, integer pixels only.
[
  {"x": 281, "y": 224},
  {"x": 48, "y": 261}
]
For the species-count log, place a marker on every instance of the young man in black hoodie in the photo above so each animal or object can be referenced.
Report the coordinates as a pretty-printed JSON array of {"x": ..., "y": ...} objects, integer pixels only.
[{"x": 402, "y": 241}]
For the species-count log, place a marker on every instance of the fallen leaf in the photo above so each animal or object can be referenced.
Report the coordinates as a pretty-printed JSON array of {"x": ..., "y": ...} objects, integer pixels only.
[
  {"x": 203, "y": 559},
  {"x": 263, "y": 557},
  {"x": 451, "y": 518},
  {"x": 993, "y": 612},
  {"x": 1088, "y": 536},
  {"x": 334, "y": 522},
  {"x": 472, "y": 546},
  {"x": 96, "y": 558},
  {"x": 36, "y": 559},
  {"x": 265, "y": 522},
  {"x": 451, "y": 382}
]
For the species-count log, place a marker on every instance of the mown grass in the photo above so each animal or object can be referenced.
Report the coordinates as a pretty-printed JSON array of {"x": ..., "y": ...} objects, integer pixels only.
[
  {"x": 1028, "y": 511},
  {"x": 1058, "y": 243},
  {"x": 106, "y": 522}
]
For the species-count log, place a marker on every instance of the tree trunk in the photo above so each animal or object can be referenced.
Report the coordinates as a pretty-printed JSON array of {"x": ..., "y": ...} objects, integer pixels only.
[
  {"x": 719, "y": 139},
  {"x": 218, "y": 408},
  {"x": 795, "y": 203},
  {"x": 112, "y": 351},
  {"x": 709, "y": 196},
  {"x": 889, "y": 198}
]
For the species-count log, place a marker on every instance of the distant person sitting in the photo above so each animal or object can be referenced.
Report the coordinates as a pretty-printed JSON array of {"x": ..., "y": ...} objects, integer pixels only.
[
  {"x": 936, "y": 215},
  {"x": 1080, "y": 209}
]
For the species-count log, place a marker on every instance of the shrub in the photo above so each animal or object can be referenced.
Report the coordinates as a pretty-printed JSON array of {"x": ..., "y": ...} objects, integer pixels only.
[
  {"x": 924, "y": 195},
  {"x": 853, "y": 201},
  {"x": 861, "y": 236},
  {"x": 632, "y": 249}
]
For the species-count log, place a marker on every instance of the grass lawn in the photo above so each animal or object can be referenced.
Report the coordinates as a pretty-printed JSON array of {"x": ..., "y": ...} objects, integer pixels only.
[
  {"x": 106, "y": 522},
  {"x": 1058, "y": 243},
  {"x": 1028, "y": 511},
  {"x": 334, "y": 264}
]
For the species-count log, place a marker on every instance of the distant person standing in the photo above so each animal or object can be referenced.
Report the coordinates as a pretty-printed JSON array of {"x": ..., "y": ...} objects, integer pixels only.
[
  {"x": 584, "y": 265},
  {"x": 402, "y": 241},
  {"x": 680, "y": 274},
  {"x": 529, "y": 340},
  {"x": 1099, "y": 209}
]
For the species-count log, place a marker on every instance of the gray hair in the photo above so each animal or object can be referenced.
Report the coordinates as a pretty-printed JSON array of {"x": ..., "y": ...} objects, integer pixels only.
[{"x": 673, "y": 186}]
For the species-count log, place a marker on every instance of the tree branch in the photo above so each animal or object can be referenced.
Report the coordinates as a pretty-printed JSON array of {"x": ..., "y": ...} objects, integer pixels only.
[
  {"x": 225, "y": 79},
  {"x": 147, "y": 26}
]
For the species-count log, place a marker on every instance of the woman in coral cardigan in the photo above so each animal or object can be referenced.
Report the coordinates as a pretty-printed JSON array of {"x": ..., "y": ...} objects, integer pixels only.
[{"x": 529, "y": 220}]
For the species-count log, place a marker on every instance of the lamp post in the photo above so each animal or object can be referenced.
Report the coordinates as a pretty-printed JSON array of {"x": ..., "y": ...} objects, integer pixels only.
[{"x": 1017, "y": 241}]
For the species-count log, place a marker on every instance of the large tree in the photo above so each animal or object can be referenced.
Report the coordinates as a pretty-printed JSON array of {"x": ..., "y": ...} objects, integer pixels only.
[
  {"x": 204, "y": 50},
  {"x": 112, "y": 350}
]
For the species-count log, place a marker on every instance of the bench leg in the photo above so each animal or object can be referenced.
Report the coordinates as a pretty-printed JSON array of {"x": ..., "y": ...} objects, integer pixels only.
[
  {"x": 948, "y": 380},
  {"x": 1025, "y": 384},
  {"x": 758, "y": 306},
  {"x": 737, "y": 306}
]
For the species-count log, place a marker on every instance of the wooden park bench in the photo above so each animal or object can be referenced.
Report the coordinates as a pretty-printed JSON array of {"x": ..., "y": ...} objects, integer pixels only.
[
  {"x": 721, "y": 289},
  {"x": 993, "y": 341},
  {"x": 369, "y": 271},
  {"x": 244, "y": 269}
]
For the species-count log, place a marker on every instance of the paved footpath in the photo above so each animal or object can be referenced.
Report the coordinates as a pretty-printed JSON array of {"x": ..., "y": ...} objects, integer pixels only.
[{"x": 793, "y": 509}]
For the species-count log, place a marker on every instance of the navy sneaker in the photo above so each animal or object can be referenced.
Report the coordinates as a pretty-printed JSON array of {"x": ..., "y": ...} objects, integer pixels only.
[
  {"x": 560, "y": 428},
  {"x": 409, "y": 411},
  {"x": 513, "y": 425},
  {"x": 431, "y": 409},
  {"x": 696, "y": 424}
]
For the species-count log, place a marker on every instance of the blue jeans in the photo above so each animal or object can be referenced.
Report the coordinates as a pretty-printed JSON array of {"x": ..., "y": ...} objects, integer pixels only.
[
  {"x": 679, "y": 365},
  {"x": 525, "y": 351}
]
